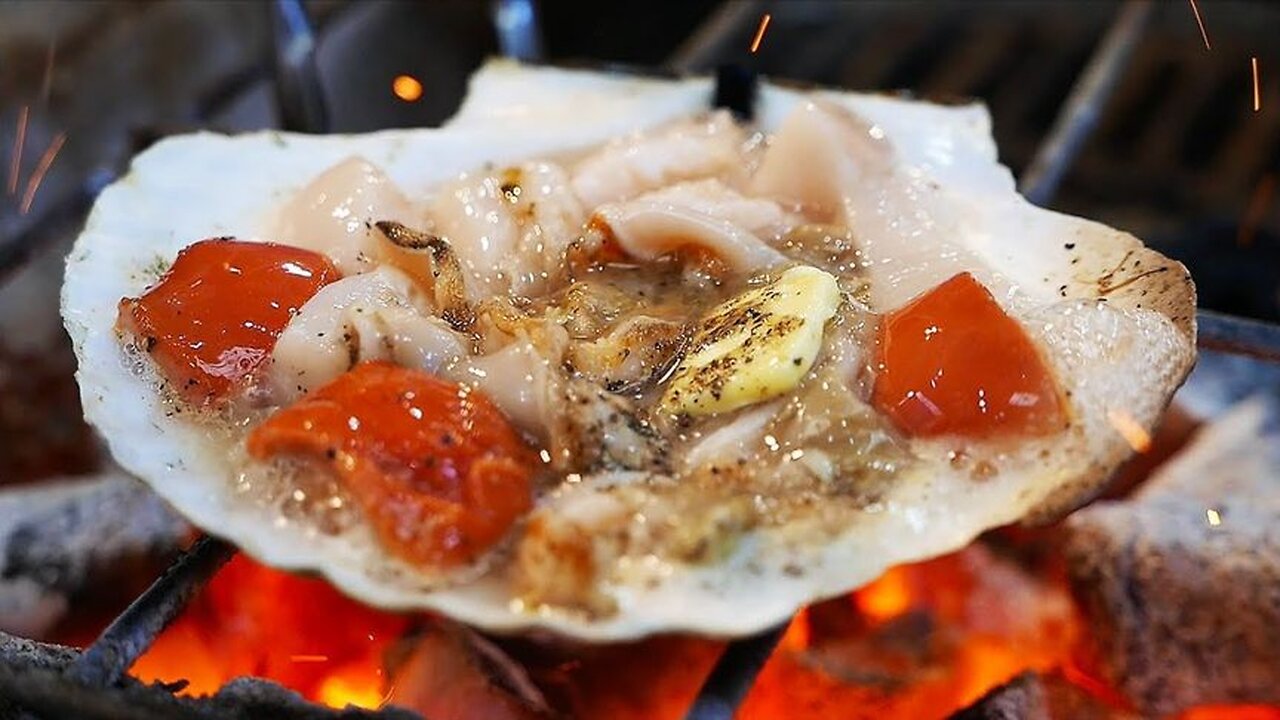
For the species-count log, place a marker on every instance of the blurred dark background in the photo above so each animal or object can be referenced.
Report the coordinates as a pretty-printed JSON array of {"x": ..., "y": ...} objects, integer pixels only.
[{"x": 1180, "y": 157}]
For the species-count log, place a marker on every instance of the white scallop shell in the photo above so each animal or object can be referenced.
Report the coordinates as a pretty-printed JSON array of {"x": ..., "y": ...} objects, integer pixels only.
[{"x": 1127, "y": 354}]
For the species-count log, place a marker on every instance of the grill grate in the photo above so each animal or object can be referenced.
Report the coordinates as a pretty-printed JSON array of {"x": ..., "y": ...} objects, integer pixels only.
[
  {"x": 939, "y": 57},
  {"x": 107, "y": 660},
  {"x": 1179, "y": 144}
]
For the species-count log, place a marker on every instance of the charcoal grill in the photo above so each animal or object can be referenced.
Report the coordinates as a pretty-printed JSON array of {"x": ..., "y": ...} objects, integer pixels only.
[{"x": 51, "y": 681}]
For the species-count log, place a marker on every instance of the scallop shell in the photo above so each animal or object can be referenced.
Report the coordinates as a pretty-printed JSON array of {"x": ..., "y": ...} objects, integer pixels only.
[{"x": 1116, "y": 319}]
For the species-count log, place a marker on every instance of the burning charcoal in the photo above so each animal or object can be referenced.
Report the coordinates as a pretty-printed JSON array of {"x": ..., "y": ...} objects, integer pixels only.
[
  {"x": 656, "y": 678},
  {"x": 35, "y": 683},
  {"x": 255, "y": 697},
  {"x": 1038, "y": 697},
  {"x": 59, "y": 540},
  {"x": 1022, "y": 698},
  {"x": 452, "y": 673},
  {"x": 1179, "y": 583}
]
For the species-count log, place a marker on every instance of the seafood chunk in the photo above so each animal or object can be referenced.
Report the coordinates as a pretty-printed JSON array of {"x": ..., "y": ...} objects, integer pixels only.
[
  {"x": 334, "y": 214},
  {"x": 683, "y": 151},
  {"x": 379, "y": 315},
  {"x": 509, "y": 228},
  {"x": 701, "y": 219}
]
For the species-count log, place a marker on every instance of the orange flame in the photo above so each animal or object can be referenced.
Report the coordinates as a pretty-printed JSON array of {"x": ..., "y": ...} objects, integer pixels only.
[
  {"x": 1231, "y": 712},
  {"x": 300, "y": 632},
  {"x": 359, "y": 684},
  {"x": 886, "y": 598},
  {"x": 922, "y": 641}
]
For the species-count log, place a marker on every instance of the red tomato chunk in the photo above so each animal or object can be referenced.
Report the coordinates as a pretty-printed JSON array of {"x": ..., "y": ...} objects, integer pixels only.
[
  {"x": 436, "y": 468},
  {"x": 216, "y": 314},
  {"x": 951, "y": 362}
]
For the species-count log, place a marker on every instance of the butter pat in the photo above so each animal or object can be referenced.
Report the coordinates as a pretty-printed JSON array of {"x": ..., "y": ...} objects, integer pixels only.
[{"x": 755, "y": 346}]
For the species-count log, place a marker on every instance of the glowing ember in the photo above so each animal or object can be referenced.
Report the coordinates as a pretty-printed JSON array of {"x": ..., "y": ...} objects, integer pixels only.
[
  {"x": 1133, "y": 433},
  {"x": 355, "y": 684},
  {"x": 1231, "y": 712},
  {"x": 15, "y": 157},
  {"x": 1257, "y": 94},
  {"x": 46, "y": 160},
  {"x": 922, "y": 641},
  {"x": 764, "y": 25},
  {"x": 886, "y": 598},
  {"x": 252, "y": 620},
  {"x": 407, "y": 88},
  {"x": 1076, "y": 675},
  {"x": 1196, "y": 9}
]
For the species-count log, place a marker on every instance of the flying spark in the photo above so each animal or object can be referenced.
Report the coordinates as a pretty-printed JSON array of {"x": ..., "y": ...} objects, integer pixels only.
[
  {"x": 764, "y": 25},
  {"x": 308, "y": 658},
  {"x": 1257, "y": 94},
  {"x": 33, "y": 183},
  {"x": 1199, "y": 21},
  {"x": 19, "y": 139},
  {"x": 1133, "y": 433}
]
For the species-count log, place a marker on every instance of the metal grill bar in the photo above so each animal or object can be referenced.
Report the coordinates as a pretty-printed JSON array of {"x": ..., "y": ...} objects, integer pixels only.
[
  {"x": 299, "y": 92},
  {"x": 1237, "y": 336},
  {"x": 733, "y": 675},
  {"x": 516, "y": 22},
  {"x": 107, "y": 660},
  {"x": 1080, "y": 113},
  {"x": 736, "y": 88}
]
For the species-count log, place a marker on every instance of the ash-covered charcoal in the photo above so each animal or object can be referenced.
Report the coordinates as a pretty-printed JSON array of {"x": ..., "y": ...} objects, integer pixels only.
[
  {"x": 109, "y": 536},
  {"x": 1179, "y": 583},
  {"x": 19, "y": 654},
  {"x": 29, "y": 653},
  {"x": 1030, "y": 696}
]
